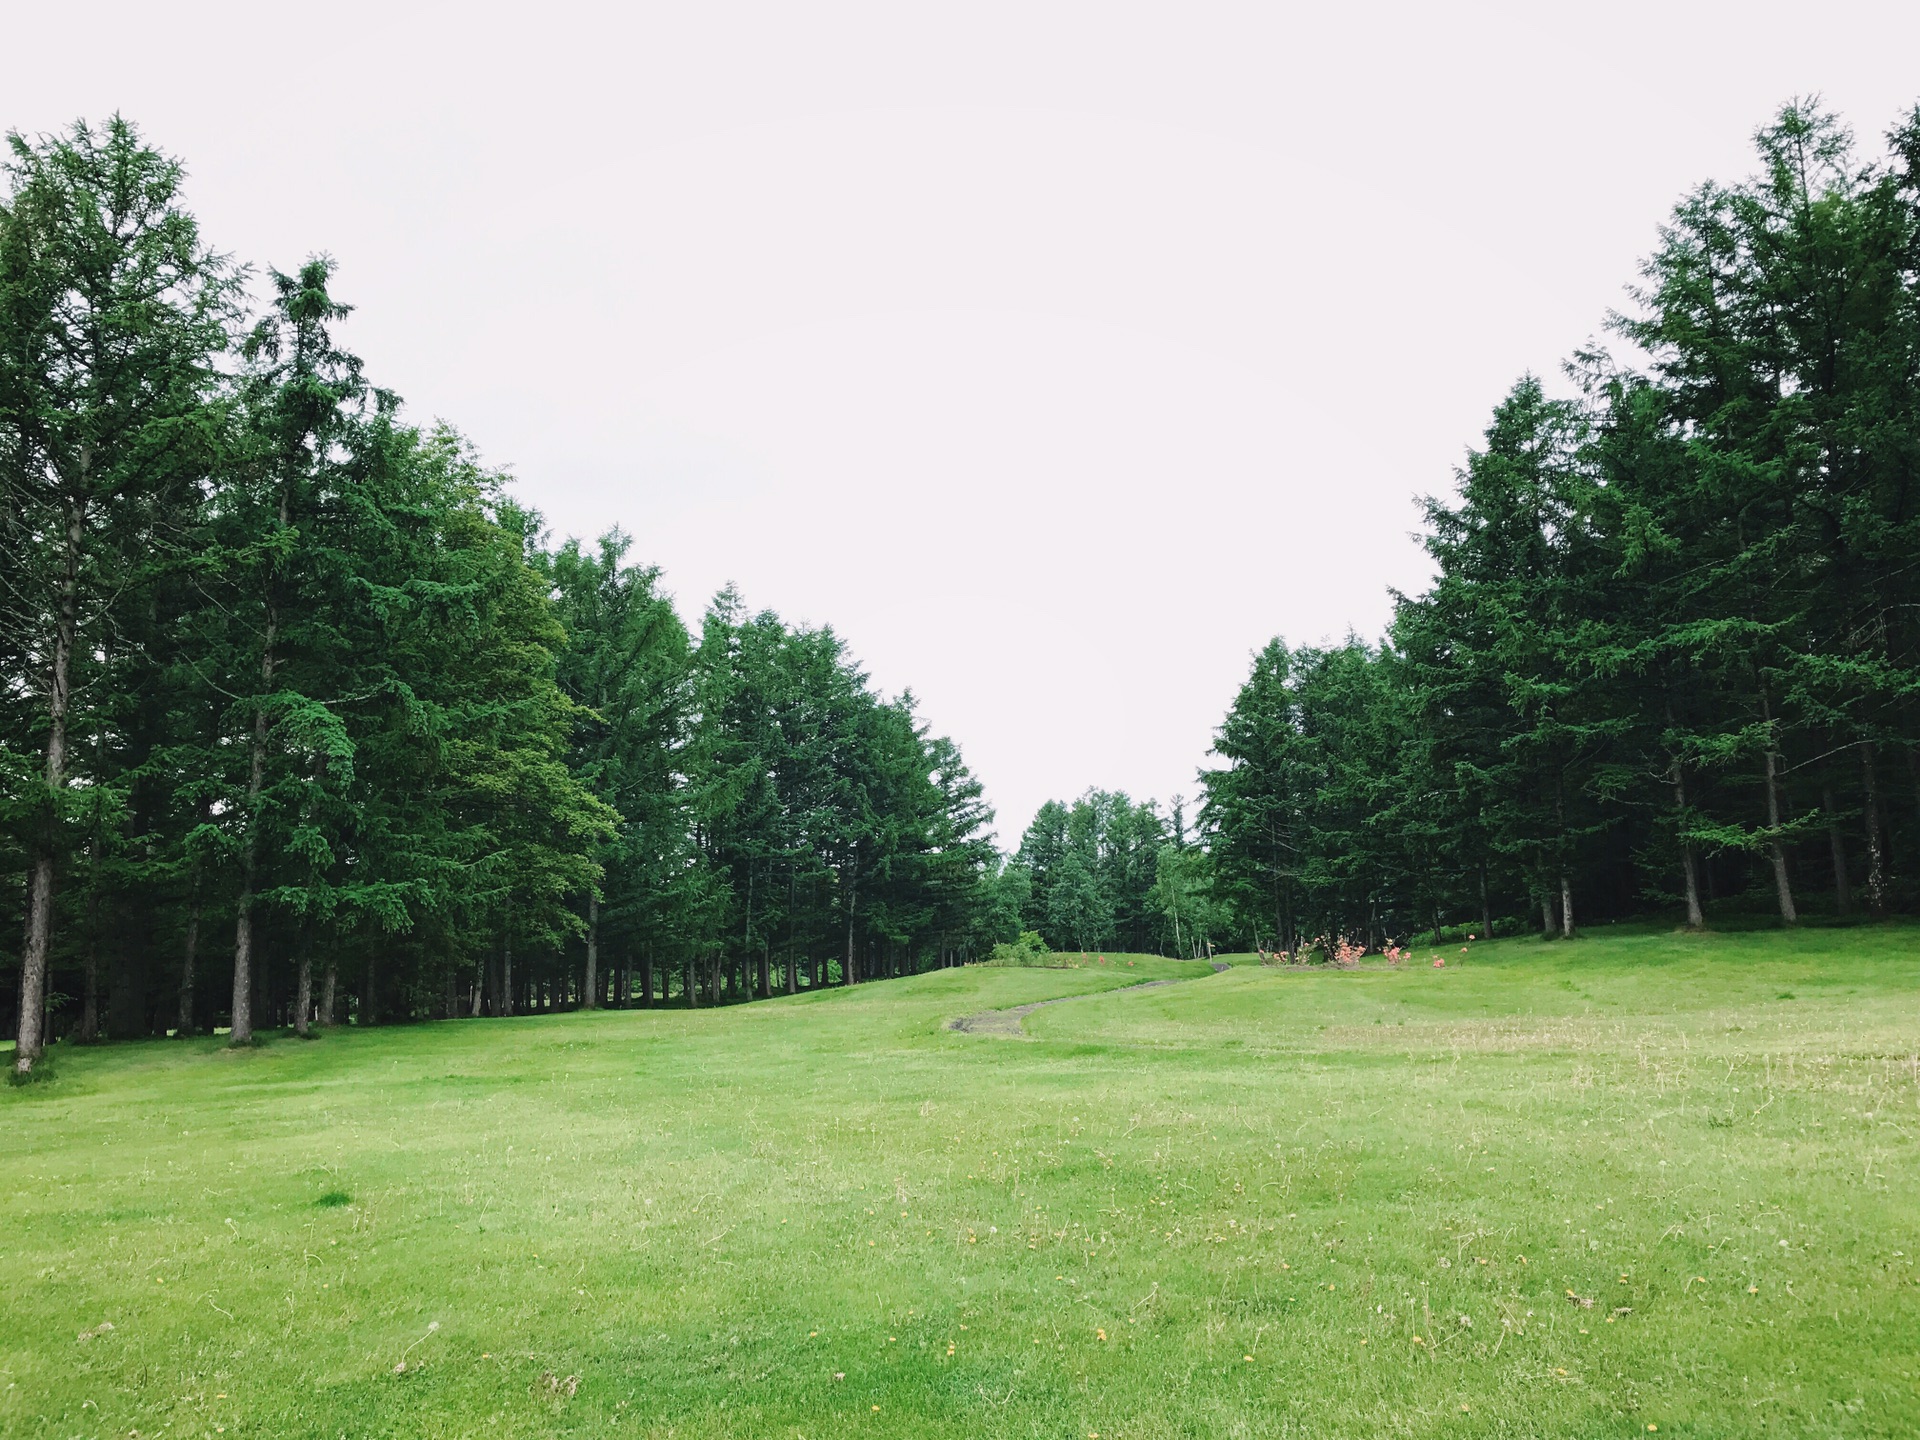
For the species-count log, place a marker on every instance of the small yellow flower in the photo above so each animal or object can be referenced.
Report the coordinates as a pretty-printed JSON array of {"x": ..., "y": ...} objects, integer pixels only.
[
  {"x": 1418, "y": 1341},
  {"x": 1099, "y": 1334}
]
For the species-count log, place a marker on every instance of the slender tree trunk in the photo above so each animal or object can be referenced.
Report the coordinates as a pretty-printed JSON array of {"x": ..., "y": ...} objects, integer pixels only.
[
  {"x": 369, "y": 1001},
  {"x": 1689, "y": 862},
  {"x": 853, "y": 876},
  {"x": 590, "y": 992},
  {"x": 190, "y": 957},
  {"x": 90, "y": 1003},
  {"x": 303, "y": 987},
  {"x": 39, "y": 923},
  {"x": 1876, "y": 858},
  {"x": 90, "y": 1000},
  {"x": 1836, "y": 847},
  {"x": 506, "y": 973},
  {"x": 646, "y": 976},
  {"x": 1566, "y": 881},
  {"x": 1776, "y": 852},
  {"x": 242, "y": 1033},
  {"x": 329, "y": 990},
  {"x": 692, "y": 993},
  {"x": 1547, "y": 927}
]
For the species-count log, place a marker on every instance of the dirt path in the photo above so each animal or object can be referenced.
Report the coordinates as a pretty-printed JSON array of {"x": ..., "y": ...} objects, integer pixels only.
[{"x": 1009, "y": 1022}]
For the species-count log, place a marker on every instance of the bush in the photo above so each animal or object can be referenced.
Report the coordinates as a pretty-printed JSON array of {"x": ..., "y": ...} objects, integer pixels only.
[{"x": 1029, "y": 949}]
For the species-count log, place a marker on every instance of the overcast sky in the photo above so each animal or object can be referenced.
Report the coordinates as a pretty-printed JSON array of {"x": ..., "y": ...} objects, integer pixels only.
[{"x": 1057, "y": 355}]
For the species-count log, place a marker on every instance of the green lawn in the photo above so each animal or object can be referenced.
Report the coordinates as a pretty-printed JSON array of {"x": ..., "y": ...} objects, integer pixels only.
[{"x": 1261, "y": 1203}]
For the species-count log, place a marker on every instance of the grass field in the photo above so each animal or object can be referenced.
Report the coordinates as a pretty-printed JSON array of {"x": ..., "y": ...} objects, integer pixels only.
[{"x": 1586, "y": 1189}]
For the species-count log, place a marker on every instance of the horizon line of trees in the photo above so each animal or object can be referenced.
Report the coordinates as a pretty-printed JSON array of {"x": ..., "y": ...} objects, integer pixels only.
[
  {"x": 303, "y": 718},
  {"x": 1671, "y": 654}
]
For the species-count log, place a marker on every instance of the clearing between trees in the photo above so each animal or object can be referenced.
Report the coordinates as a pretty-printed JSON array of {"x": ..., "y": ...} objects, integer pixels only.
[{"x": 1581, "y": 1189}]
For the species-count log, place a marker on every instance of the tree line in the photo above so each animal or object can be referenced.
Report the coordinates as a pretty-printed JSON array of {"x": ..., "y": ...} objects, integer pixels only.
[
  {"x": 1104, "y": 872},
  {"x": 1671, "y": 653},
  {"x": 304, "y": 719}
]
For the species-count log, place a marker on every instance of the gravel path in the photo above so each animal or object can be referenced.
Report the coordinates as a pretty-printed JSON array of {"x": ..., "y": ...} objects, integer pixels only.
[{"x": 1008, "y": 1022}]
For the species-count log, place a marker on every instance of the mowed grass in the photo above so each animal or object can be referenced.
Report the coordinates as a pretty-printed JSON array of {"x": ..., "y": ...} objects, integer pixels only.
[{"x": 1578, "y": 1189}]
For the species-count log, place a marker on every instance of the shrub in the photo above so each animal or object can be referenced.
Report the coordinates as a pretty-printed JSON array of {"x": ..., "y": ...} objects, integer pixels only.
[{"x": 1029, "y": 949}]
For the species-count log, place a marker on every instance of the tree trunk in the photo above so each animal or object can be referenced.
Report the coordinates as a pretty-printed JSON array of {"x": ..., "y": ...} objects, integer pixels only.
[
  {"x": 693, "y": 993},
  {"x": 1836, "y": 848},
  {"x": 329, "y": 989},
  {"x": 506, "y": 973},
  {"x": 846, "y": 977},
  {"x": 1776, "y": 852},
  {"x": 242, "y": 1033},
  {"x": 1486, "y": 906},
  {"x": 646, "y": 976},
  {"x": 89, "y": 1030},
  {"x": 1566, "y": 906},
  {"x": 303, "y": 987},
  {"x": 1876, "y": 858},
  {"x": 1689, "y": 865},
  {"x": 1547, "y": 926},
  {"x": 39, "y": 926},
  {"x": 369, "y": 1003},
  {"x": 189, "y": 958},
  {"x": 590, "y": 991}
]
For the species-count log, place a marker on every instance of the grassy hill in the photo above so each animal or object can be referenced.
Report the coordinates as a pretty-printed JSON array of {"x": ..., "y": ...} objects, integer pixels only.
[{"x": 1578, "y": 1189}]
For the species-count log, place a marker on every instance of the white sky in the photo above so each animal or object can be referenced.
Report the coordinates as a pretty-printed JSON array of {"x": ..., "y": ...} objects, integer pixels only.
[{"x": 1057, "y": 355}]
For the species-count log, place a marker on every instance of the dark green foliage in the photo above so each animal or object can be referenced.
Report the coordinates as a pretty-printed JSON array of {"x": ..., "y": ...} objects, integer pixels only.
[
  {"x": 1670, "y": 655},
  {"x": 1089, "y": 872},
  {"x": 288, "y": 683}
]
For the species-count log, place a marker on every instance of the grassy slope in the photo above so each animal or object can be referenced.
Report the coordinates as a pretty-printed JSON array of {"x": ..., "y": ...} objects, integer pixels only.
[{"x": 705, "y": 1218}]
